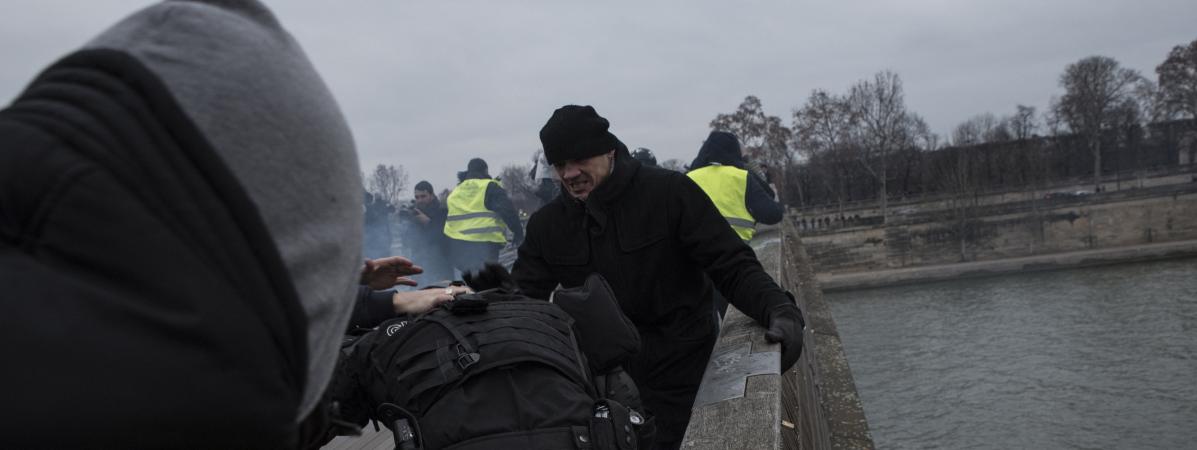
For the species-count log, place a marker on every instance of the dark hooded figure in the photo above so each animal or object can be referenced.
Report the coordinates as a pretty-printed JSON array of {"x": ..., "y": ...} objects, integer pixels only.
[
  {"x": 739, "y": 194},
  {"x": 659, "y": 241},
  {"x": 723, "y": 148},
  {"x": 479, "y": 215},
  {"x": 180, "y": 227},
  {"x": 424, "y": 220}
]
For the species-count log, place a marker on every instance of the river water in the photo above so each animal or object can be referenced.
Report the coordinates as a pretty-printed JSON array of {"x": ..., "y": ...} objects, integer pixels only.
[{"x": 1088, "y": 358}]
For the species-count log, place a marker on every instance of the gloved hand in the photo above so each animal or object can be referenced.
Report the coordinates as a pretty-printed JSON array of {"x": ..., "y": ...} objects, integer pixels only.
[
  {"x": 786, "y": 326},
  {"x": 490, "y": 276}
]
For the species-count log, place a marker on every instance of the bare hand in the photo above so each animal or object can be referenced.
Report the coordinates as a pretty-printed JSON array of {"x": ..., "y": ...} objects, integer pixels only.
[
  {"x": 418, "y": 302},
  {"x": 386, "y": 272}
]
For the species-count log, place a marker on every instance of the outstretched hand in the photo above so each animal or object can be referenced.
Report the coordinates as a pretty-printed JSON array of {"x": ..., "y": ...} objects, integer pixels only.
[
  {"x": 786, "y": 326},
  {"x": 383, "y": 273},
  {"x": 422, "y": 301}
]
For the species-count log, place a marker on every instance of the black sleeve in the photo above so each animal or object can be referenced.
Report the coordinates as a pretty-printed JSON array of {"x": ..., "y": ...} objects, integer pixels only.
[
  {"x": 531, "y": 272},
  {"x": 497, "y": 201},
  {"x": 371, "y": 308},
  {"x": 725, "y": 258},
  {"x": 437, "y": 224},
  {"x": 760, "y": 203}
]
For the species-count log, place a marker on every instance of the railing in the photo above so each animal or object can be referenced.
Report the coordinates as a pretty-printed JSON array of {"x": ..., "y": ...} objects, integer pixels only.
[{"x": 744, "y": 403}]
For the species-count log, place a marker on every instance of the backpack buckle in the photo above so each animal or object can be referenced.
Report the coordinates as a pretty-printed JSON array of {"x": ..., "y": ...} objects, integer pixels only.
[{"x": 466, "y": 359}]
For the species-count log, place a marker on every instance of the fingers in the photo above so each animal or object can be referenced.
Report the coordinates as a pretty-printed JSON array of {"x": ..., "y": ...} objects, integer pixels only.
[
  {"x": 405, "y": 281},
  {"x": 408, "y": 270},
  {"x": 777, "y": 330},
  {"x": 774, "y": 335},
  {"x": 390, "y": 261},
  {"x": 419, "y": 302}
]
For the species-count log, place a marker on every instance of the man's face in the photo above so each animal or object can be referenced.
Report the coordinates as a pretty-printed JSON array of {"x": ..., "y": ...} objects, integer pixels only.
[
  {"x": 580, "y": 177},
  {"x": 424, "y": 198}
]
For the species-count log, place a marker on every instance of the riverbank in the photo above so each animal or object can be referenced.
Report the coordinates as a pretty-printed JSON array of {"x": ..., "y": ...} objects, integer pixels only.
[{"x": 1056, "y": 261}]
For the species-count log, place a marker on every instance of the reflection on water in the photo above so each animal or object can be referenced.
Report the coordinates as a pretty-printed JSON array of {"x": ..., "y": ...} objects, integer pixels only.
[{"x": 1090, "y": 358}]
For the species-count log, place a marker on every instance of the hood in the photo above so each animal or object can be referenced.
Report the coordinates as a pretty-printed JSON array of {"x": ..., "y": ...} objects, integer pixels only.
[
  {"x": 720, "y": 147},
  {"x": 473, "y": 175},
  {"x": 251, "y": 91}
]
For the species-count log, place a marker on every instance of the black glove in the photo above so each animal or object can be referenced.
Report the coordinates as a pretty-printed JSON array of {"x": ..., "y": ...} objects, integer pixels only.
[
  {"x": 786, "y": 326},
  {"x": 490, "y": 276}
]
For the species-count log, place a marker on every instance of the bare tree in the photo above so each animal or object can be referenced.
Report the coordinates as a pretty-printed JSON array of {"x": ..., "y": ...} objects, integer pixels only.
[
  {"x": 957, "y": 176},
  {"x": 763, "y": 137},
  {"x": 515, "y": 180},
  {"x": 824, "y": 123},
  {"x": 1097, "y": 94},
  {"x": 388, "y": 183},
  {"x": 885, "y": 126},
  {"x": 1023, "y": 123},
  {"x": 822, "y": 135},
  {"x": 1178, "y": 81}
]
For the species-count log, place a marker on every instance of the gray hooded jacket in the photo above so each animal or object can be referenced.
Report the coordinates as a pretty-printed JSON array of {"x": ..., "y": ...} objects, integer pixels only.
[{"x": 251, "y": 90}]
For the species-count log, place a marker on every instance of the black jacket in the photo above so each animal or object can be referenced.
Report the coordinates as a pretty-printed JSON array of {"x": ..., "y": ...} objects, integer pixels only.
[
  {"x": 146, "y": 304},
  {"x": 722, "y": 148},
  {"x": 663, "y": 246},
  {"x": 426, "y": 241}
]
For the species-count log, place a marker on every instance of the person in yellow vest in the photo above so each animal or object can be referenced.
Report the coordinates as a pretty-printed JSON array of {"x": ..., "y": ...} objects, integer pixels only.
[
  {"x": 480, "y": 213},
  {"x": 741, "y": 196}
]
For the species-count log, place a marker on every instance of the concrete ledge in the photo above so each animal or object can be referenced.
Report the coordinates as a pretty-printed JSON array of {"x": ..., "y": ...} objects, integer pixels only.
[
  {"x": 812, "y": 406},
  {"x": 1057, "y": 261},
  {"x": 828, "y": 412},
  {"x": 751, "y": 417}
]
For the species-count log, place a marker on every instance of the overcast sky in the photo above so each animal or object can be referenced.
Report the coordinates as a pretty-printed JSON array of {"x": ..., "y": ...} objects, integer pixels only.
[{"x": 430, "y": 84}]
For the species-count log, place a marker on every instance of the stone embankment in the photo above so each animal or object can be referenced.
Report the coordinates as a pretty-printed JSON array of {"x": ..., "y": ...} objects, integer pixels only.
[{"x": 939, "y": 240}]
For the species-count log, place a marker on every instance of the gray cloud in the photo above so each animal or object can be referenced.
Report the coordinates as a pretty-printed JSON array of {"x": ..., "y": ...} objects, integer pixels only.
[{"x": 430, "y": 84}]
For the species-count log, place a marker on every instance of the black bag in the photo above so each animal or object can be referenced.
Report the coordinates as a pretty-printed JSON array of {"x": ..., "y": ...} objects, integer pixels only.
[
  {"x": 606, "y": 336},
  {"x": 492, "y": 369}
]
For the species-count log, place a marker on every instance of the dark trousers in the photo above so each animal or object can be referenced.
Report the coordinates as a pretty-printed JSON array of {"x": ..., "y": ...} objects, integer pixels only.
[{"x": 470, "y": 256}]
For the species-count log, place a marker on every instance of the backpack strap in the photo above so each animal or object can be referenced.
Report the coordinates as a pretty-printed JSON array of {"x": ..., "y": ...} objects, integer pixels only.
[{"x": 575, "y": 437}]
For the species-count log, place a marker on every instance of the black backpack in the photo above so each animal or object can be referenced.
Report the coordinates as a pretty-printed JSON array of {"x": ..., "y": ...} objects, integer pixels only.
[{"x": 492, "y": 370}]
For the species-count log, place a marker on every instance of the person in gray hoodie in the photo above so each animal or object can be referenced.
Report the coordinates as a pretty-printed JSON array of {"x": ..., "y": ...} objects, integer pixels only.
[{"x": 180, "y": 228}]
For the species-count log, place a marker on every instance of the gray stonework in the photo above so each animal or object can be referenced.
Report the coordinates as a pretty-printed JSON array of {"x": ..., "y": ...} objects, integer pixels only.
[
  {"x": 812, "y": 406},
  {"x": 1011, "y": 230}
]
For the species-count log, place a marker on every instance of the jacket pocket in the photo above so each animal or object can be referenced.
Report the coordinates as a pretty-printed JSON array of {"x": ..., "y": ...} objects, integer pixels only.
[{"x": 640, "y": 231}]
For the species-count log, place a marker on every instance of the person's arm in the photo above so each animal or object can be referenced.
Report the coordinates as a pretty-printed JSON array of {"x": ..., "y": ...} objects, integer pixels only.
[
  {"x": 531, "y": 272},
  {"x": 759, "y": 200},
  {"x": 374, "y": 307},
  {"x": 371, "y": 308},
  {"x": 384, "y": 273},
  {"x": 497, "y": 201},
  {"x": 733, "y": 266},
  {"x": 439, "y": 215},
  {"x": 726, "y": 259}
]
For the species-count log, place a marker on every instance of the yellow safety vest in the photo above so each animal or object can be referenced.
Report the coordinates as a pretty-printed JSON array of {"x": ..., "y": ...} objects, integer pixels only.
[
  {"x": 727, "y": 187},
  {"x": 469, "y": 220}
]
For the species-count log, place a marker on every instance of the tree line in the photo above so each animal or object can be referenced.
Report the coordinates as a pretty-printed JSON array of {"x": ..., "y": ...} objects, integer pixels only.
[{"x": 865, "y": 144}]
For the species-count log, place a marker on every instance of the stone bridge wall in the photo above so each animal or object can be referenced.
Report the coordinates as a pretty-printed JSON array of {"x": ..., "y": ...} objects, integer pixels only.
[
  {"x": 743, "y": 405},
  {"x": 999, "y": 231}
]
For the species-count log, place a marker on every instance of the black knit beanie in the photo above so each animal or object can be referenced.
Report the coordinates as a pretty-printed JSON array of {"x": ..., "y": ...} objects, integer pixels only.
[{"x": 576, "y": 132}]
